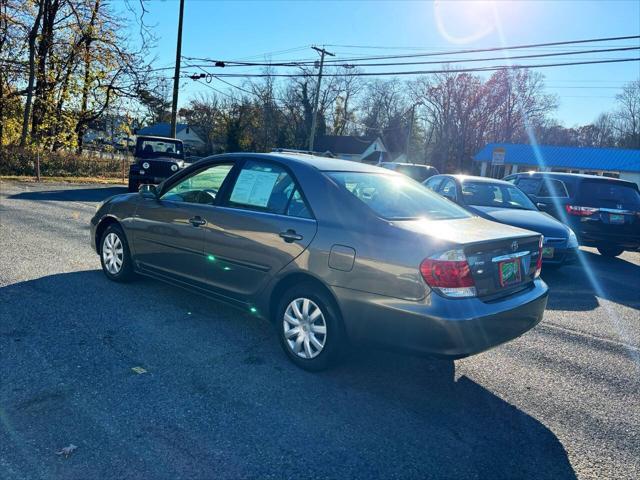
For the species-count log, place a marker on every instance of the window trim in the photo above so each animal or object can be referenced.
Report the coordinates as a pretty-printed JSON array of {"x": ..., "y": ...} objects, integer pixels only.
[{"x": 226, "y": 195}]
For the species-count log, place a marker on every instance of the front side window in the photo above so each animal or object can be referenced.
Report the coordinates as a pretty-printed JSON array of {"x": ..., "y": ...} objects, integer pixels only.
[
  {"x": 268, "y": 188},
  {"x": 396, "y": 197},
  {"x": 485, "y": 194},
  {"x": 201, "y": 187},
  {"x": 448, "y": 189}
]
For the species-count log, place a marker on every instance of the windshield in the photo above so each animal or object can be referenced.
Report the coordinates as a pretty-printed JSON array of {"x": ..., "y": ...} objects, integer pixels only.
[
  {"x": 485, "y": 194},
  {"x": 147, "y": 148},
  {"x": 396, "y": 197}
]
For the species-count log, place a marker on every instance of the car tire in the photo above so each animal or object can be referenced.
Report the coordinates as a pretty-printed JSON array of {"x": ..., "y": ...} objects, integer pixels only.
[
  {"x": 610, "y": 252},
  {"x": 115, "y": 255},
  {"x": 134, "y": 185},
  {"x": 314, "y": 339}
]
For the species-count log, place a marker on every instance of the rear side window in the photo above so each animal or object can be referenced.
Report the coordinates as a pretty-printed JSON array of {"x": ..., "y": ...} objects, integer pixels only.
[
  {"x": 268, "y": 188},
  {"x": 597, "y": 193},
  {"x": 552, "y": 188},
  {"x": 396, "y": 197},
  {"x": 529, "y": 186}
]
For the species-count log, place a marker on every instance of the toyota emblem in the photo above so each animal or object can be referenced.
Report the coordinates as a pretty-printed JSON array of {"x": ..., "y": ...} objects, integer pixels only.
[{"x": 514, "y": 246}]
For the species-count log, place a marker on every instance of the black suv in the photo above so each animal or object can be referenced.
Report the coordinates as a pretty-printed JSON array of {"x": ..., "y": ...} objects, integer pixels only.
[
  {"x": 603, "y": 212},
  {"x": 416, "y": 171},
  {"x": 157, "y": 158}
]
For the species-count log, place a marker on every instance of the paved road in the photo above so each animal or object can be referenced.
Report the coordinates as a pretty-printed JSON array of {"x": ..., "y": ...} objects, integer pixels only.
[{"x": 219, "y": 399}]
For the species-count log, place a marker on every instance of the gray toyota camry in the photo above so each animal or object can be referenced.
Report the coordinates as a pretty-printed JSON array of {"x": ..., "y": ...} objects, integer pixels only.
[{"x": 332, "y": 252}]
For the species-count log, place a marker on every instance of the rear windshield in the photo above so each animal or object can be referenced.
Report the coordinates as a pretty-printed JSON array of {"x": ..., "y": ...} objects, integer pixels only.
[
  {"x": 485, "y": 194},
  {"x": 395, "y": 197},
  {"x": 598, "y": 193}
]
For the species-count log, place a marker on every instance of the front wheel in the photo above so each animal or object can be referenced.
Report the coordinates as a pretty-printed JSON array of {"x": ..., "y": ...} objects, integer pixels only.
[
  {"x": 115, "y": 256},
  {"x": 310, "y": 328},
  {"x": 610, "y": 252}
]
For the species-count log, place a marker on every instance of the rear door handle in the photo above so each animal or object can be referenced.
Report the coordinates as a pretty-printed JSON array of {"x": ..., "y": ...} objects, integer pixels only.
[
  {"x": 197, "y": 221},
  {"x": 290, "y": 236},
  {"x": 541, "y": 205}
]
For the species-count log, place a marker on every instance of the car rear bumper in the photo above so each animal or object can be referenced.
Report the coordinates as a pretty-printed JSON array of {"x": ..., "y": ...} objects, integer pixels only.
[
  {"x": 439, "y": 326},
  {"x": 562, "y": 256}
]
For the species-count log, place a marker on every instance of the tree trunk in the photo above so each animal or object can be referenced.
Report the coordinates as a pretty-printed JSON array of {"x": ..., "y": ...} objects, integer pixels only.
[
  {"x": 33, "y": 33},
  {"x": 81, "y": 126}
]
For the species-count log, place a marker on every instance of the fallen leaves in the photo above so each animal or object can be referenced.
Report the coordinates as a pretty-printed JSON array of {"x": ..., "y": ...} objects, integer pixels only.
[{"x": 66, "y": 451}]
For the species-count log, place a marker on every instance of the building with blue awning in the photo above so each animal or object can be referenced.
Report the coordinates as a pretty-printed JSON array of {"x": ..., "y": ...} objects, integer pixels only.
[{"x": 500, "y": 159}]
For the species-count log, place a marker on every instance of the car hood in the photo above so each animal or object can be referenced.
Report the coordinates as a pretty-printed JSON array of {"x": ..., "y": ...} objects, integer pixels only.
[{"x": 533, "y": 220}]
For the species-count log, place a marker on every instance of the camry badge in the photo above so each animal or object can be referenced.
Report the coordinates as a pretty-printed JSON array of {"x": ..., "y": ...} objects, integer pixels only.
[{"x": 514, "y": 245}]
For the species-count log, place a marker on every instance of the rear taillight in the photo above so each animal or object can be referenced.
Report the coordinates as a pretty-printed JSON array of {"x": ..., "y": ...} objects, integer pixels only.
[
  {"x": 580, "y": 211},
  {"x": 449, "y": 274},
  {"x": 539, "y": 261}
]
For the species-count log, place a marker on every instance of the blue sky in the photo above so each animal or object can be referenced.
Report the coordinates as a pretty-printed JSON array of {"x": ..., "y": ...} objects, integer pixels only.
[{"x": 242, "y": 29}]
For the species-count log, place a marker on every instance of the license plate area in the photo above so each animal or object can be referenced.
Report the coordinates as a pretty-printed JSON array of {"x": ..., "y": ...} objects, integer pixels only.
[
  {"x": 616, "y": 218},
  {"x": 548, "y": 252},
  {"x": 509, "y": 272}
]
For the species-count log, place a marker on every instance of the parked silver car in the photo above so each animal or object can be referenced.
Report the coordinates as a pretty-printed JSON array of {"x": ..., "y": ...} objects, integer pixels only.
[{"x": 332, "y": 252}]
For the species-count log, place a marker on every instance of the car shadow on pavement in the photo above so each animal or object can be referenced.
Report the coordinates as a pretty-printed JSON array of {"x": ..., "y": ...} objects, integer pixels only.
[
  {"x": 217, "y": 398},
  {"x": 578, "y": 286},
  {"x": 80, "y": 194}
]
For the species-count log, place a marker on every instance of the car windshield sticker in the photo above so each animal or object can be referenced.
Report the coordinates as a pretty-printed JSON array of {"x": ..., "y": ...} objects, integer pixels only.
[{"x": 254, "y": 187}]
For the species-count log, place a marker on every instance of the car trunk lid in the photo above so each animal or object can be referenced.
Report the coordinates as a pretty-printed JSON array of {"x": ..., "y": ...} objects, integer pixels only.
[{"x": 502, "y": 259}]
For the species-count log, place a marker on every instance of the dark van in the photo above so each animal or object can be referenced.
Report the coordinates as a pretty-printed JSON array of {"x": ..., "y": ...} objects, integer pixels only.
[
  {"x": 603, "y": 212},
  {"x": 416, "y": 171}
]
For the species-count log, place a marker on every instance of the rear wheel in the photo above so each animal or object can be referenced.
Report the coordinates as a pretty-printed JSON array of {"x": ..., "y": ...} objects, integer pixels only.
[
  {"x": 134, "y": 185},
  {"x": 610, "y": 252},
  {"x": 115, "y": 256},
  {"x": 310, "y": 328}
]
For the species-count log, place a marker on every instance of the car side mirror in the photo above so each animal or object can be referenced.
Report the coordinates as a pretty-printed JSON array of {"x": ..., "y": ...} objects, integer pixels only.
[{"x": 148, "y": 191}]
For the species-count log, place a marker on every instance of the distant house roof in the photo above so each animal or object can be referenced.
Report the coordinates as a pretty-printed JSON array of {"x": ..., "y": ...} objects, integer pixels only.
[
  {"x": 343, "y": 144},
  {"x": 580, "y": 158},
  {"x": 161, "y": 129}
]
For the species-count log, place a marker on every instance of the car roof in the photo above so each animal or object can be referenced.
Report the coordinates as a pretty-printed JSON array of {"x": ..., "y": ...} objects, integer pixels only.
[
  {"x": 568, "y": 176},
  {"x": 572, "y": 177},
  {"x": 324, "y": 164},
  {"x": 407, "y": 164},
  {"x": 464, "y": 178}
]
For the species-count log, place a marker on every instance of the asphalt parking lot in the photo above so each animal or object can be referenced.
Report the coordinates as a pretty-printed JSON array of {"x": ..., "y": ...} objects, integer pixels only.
[{"x": 218, "y": 398}]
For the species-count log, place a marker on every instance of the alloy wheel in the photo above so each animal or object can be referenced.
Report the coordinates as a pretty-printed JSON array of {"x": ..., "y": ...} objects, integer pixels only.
[
  {"x": 112, "y": 253},
  {"x": 305, "y": 328}
]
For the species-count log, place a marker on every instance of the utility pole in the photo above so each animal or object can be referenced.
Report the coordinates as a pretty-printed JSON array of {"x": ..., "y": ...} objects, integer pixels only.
[
  {"x": 314, "y": 120},
  {"x": 176, "y": 76},
  {"x": 410, "y": 133}
]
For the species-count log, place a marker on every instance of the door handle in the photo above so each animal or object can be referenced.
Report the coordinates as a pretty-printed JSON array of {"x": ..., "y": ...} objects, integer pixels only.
[
  {"x": 541, "y": 205},
  {"x": 197, "y": 221},
  {"x": 290, "y": 236}
]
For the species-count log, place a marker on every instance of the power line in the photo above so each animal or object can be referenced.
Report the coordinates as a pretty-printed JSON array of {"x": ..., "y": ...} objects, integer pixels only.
[
  {"x": 433, "y": 62},
  {"x": 453, "y": 52},
  {"x": 425, "y": 72}
]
